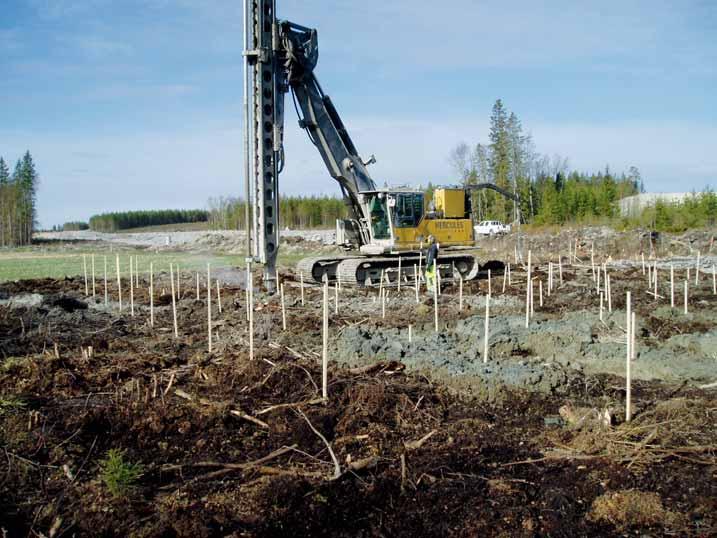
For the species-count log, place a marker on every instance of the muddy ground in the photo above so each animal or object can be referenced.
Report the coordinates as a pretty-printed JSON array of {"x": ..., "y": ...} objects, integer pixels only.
[{"x": 417, "y": 439}]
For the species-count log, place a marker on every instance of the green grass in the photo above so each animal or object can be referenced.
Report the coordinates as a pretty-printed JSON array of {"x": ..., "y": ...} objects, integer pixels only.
[
  {"x": 10, "y": 403},
  {"x": 28, "y": 263}
]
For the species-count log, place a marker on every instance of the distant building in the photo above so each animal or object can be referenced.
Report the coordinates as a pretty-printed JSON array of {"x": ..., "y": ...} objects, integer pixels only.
[{"x": 633, "y": 205}]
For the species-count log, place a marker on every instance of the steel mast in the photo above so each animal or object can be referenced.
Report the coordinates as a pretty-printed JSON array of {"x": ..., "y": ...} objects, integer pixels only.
[{"x": 263, "y": 117}]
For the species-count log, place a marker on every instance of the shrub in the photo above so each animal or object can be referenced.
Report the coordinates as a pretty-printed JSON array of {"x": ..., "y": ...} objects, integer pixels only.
[{"x": 119, "y": 475}]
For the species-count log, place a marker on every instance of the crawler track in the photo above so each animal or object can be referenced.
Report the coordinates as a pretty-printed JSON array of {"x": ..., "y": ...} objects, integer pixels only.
[{"x": 365, "y": 270}]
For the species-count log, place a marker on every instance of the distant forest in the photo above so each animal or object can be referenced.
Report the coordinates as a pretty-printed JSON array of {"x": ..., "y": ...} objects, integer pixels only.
[
  {"x": 303, "y": 212},
  {"x": 112, "y": 222},
  {"x": 18, "y": 197}
]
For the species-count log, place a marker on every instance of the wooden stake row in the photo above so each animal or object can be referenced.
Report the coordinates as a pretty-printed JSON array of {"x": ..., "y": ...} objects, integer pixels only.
[{"x": 599, "y": 273}]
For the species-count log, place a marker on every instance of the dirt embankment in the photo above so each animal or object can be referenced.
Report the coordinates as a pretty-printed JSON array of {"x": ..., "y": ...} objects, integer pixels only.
[{"x": 219, "y": 240}]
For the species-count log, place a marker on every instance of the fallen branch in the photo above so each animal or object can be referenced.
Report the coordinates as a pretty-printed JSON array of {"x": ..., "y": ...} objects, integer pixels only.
[
  {"x": 295, "y": 353},
  {"x": 232, "y": 466},
  {"x": 289, "y": 405},
  {"x": 337, "y": 467},
  {"x": 235, "y": 412},
  {"x": 316, "y": 387},
  {"x": 553, "y": 457},
  {"x": 249, "y": 418},
  {"x": 367, "y": 369},
  {"x": 183, "y": 394},
  {"x": 169, "y": 386},
  {"x": 415, "y": 445},
  {"x": 378, "y": 367},
  {"x": 364, "y": 463}
]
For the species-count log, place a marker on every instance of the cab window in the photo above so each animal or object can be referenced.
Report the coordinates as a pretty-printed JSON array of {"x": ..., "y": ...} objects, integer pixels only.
[
  {"x": 408, "y": 210},
  {"x": 379, "y": 219}
]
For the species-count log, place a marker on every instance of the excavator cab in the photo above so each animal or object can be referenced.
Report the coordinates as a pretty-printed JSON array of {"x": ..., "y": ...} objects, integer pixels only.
[
  {"x": 399, "y": 222},
  {"x": 380, "y": 222}
]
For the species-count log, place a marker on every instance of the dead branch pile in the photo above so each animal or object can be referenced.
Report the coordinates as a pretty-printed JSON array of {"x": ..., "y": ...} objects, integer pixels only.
[{"x": 678, "y": 428}]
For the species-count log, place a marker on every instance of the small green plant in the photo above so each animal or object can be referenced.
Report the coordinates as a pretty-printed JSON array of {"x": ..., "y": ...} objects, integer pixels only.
[
  {"x": 10, "y": 403},
  {"x": 119, "y": 475},
  {"x": 12, "y": 364}
]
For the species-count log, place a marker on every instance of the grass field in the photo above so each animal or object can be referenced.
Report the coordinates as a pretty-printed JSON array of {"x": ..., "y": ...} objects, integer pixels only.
[{"x": 25, "y": 264}]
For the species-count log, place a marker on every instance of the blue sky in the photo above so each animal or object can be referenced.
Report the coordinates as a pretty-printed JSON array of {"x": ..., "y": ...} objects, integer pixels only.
[{"x": 137, "y": 103}]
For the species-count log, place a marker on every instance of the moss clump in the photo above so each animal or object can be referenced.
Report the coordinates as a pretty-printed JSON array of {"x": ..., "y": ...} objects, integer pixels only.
[{"x": 629, "y": 508}]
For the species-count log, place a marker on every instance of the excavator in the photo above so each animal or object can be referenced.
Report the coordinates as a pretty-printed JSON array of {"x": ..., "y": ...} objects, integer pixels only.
[{"x": 386, "y": 227}]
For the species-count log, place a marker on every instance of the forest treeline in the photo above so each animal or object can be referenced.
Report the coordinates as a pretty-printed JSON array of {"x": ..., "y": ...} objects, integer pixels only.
[
  {"x": 112, "y": 222},
  {"x": 73, "y": 226},
  {"x": 549, "y": 192},
  {"x": 294, "y": 212},
  {"x": 696, "y": 211},
  {"x": 18, "y": 193}
]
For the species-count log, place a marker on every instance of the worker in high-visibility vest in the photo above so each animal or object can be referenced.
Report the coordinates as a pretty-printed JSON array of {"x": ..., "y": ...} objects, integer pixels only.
[{"x": 431, "y": 263}]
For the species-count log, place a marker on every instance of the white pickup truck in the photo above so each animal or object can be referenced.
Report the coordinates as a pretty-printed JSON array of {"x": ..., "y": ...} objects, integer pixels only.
[{"x": 491, "y": 227}]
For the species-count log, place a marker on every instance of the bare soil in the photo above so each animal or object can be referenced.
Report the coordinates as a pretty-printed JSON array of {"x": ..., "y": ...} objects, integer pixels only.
[{"x": 233, "y": 447}]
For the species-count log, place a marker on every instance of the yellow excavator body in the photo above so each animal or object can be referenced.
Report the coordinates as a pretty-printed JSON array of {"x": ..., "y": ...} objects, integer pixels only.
[{"x": 449, "y": 222}]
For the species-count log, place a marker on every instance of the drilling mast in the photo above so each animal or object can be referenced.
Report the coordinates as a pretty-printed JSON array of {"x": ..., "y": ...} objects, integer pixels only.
[{"x": 263, "y": 133}]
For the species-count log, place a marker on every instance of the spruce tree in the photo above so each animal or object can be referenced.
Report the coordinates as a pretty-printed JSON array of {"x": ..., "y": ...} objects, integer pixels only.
[
  {"x": 4, "y": 172},
  {"x": 17, "y": 173},
  {"x": 559, "y": 182},
  {"x": 28, "y": 185}
]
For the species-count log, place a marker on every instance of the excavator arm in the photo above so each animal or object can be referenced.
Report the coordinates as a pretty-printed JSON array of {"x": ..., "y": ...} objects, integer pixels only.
[{"x": 492, "y": 186}]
